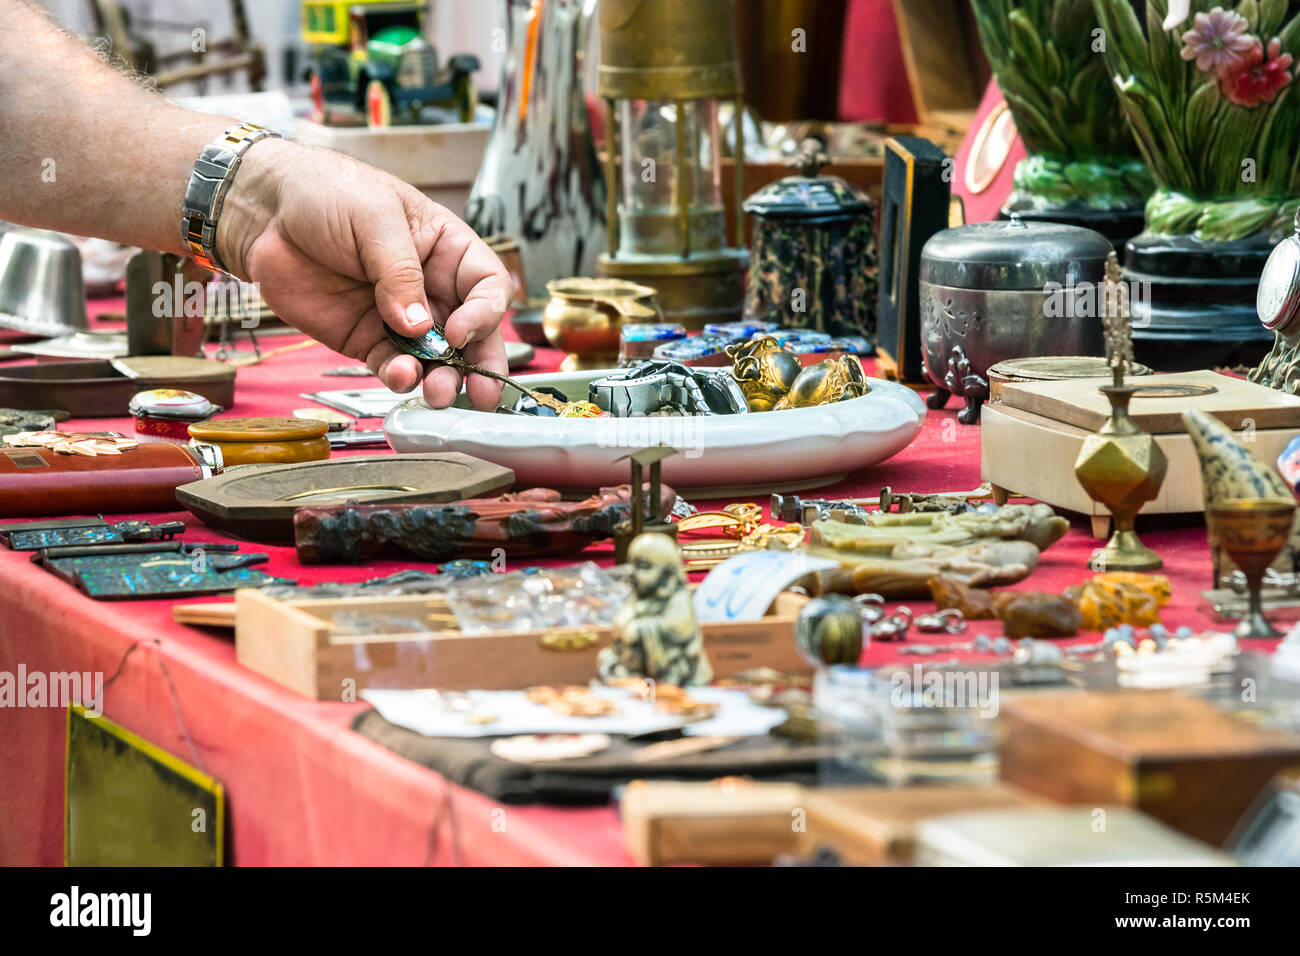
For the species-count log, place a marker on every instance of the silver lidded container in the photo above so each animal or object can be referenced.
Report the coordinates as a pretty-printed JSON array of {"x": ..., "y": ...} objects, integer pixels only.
[{"x": 992, "y": 291}]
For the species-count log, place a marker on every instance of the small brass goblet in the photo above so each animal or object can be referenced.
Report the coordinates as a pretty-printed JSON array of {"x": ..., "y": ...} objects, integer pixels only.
[{"x": 1252, "y": 531}]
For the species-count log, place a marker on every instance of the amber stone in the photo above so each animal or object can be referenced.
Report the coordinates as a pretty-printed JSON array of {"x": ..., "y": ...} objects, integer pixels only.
[
  {"x": 1037, "y": 614},
  {"x": 975, "y": 604},
  {"x": 1121, "y": 598}
]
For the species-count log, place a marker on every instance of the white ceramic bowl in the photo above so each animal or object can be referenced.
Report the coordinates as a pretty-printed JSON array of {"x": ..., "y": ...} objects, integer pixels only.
[{"x": 786, "y": 450}]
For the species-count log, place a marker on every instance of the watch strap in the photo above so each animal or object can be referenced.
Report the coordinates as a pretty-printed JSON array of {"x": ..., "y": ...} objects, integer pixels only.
[{"x": 210, "y": 180}]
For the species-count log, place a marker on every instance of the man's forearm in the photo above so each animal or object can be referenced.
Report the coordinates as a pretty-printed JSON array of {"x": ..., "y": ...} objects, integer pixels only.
[{"x": 85, "y": 149}]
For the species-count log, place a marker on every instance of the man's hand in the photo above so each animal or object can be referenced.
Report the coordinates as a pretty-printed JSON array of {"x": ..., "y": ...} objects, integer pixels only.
[{"x": 340, "y": 248}]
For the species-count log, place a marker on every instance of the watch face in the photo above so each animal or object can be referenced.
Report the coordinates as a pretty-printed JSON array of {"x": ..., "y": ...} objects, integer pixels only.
[{"x": 1277, "y": 285}]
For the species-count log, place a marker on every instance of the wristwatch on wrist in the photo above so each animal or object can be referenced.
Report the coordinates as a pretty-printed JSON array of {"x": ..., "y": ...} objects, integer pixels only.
[{"x": 210, "y": 180}]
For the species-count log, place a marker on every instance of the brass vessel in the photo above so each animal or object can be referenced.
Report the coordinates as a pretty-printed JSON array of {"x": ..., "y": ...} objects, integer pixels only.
[
  {"x": 584, "y": 317},
  {"x": 1252, "y": 531},
  {"x": 1123, "y": 468}
]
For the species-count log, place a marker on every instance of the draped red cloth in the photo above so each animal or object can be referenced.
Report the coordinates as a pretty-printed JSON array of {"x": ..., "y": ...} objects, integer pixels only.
[{"x": 873, "y": 80}]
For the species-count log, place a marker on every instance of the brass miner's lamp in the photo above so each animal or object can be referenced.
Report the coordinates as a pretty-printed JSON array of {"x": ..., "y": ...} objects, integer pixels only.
[{"x": 664, "y": 66}]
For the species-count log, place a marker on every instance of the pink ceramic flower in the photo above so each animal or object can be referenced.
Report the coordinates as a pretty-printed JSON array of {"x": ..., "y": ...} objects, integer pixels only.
[
  {"x": 1260, "y": 77},
  {"x": 1218, "y": 41}
]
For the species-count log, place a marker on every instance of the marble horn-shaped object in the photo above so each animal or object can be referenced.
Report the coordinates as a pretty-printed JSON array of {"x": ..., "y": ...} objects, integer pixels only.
[{"x": 1230, "y": 470}]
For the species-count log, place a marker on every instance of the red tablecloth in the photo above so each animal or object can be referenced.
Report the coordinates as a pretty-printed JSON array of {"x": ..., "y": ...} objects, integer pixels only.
[{"x": 302, "y": 787}]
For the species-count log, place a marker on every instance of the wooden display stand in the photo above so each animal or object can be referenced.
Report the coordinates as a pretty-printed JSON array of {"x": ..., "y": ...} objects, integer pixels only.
[
  {"x": 441, "y": 161},
  {"x": 1029, "y": 441},
  {"x": 293, "y": 643}
]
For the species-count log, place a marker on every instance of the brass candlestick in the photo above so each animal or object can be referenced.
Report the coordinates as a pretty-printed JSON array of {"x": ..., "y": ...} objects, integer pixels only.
[
  {"x": 1252, "y": 531},
  {"x": 1121, "y": 466}
]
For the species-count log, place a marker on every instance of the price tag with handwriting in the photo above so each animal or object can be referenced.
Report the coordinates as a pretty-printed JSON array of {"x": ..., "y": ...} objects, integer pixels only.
[{"x": 743, "y": 588}]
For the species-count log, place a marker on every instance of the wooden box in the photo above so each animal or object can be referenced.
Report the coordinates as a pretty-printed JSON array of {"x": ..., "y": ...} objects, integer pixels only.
[
  {"x": 1046, "y": 423},
  {"x": 441, "y": 161},
  {"x": 293, "y": 643},
  {"x": 876, "y": 826},
  {"x": 721, "y": 822},
  {"x": 1173, "y": 757}
]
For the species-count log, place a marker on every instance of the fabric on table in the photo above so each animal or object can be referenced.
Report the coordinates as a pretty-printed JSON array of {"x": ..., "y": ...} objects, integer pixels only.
[
  {"x": 470, "y": 762},
  {"x": 302, "y": 787}
]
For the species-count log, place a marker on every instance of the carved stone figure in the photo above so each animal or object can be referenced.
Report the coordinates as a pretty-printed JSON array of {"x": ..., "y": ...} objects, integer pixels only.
[
  {"x": 657, "y": 635},
  {"x": 879, "y": 532},
  {"x": 905, "y": 571}
]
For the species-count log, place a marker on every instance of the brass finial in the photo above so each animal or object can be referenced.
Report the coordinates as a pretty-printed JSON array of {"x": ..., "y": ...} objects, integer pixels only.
[{"x": 1117, "y": 322}]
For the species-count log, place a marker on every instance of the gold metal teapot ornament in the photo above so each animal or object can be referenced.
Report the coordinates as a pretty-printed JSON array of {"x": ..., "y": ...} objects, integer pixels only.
[{"x": 766, "y": 372}]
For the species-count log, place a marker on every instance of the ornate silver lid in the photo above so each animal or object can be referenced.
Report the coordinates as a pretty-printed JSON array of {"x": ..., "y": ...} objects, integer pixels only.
[{"x": 1014, "y": 255}]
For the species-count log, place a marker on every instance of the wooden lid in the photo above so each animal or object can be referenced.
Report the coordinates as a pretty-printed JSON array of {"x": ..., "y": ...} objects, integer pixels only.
[
  {"x": 257, "y": 429},
  {"x": 1052, "y": 368},
  {"x": 170, "y": 369},
  {"x": 1158, "y": 408}
]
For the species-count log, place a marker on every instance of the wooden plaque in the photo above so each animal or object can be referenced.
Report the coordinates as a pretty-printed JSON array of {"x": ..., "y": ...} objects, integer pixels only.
[
  {"x": 258, "y": 502},
  {"x": 917, "y": 191}
]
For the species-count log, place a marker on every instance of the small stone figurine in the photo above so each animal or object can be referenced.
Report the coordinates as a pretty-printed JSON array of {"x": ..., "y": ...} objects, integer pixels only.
[{"x": 657, "y": 635}]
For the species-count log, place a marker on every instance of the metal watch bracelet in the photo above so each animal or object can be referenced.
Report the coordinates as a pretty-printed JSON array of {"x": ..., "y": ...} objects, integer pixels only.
[{"x": 210, "y": 180}]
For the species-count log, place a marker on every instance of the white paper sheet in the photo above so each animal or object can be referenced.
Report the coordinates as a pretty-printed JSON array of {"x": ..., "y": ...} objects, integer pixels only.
[{"x": 422, "y": 712}]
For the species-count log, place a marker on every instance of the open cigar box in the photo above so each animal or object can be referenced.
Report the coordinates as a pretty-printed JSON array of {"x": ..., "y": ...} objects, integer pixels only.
[
  {"x": 1031, "y": 437},
  {"x": 297, "y": 644}
]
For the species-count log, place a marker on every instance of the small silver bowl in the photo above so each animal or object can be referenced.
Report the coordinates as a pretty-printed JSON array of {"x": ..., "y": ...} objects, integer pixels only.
[{"x": 41, "y": 289}]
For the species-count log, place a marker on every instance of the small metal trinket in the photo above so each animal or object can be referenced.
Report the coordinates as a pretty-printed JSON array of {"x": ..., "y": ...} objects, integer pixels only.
[
  {"x": 894, "y": 627},
  {"x": 871, "y": 607},
  {"x": 430, "y": 347},
  {"x": 948, "y": 621}
]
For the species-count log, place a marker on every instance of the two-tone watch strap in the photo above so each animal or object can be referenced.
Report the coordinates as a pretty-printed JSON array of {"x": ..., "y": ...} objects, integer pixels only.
[{"x": 209, "y": 181}]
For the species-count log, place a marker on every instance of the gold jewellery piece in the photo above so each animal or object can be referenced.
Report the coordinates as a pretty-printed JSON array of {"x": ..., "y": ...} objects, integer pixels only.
[
  {"x": 210, "y": 180},
  {"x": 744, "y": 529},
  {"x": 734, "y": 520}
]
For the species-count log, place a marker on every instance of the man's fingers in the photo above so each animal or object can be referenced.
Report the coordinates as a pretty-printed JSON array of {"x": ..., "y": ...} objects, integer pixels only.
[
  {"x": 388, "y": 254},
  {"x": 479, "y": 315},
  {"x": 485, "y": 393},
  {"x": 441, "y": 386},
  {"x": 398, "y": 371}
]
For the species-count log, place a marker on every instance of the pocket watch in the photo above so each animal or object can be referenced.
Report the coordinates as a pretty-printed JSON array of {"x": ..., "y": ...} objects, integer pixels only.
[{"x": 1278, "y": 300}]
